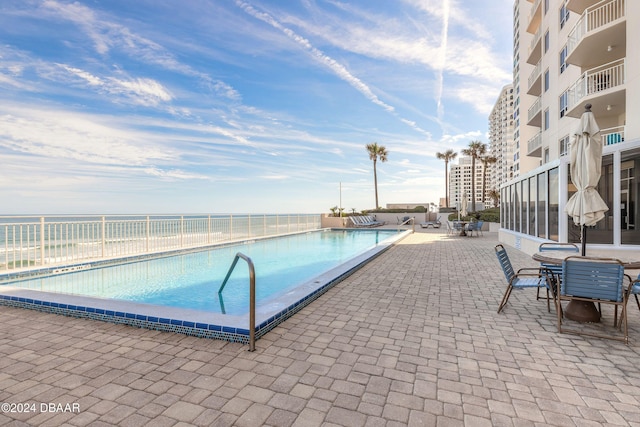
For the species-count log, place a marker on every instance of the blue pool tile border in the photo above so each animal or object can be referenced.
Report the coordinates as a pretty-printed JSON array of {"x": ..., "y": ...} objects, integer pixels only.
[{"x": 186, "y": 327}]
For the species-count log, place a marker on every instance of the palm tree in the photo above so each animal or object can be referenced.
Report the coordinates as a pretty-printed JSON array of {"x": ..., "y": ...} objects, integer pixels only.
[
  {"x": 376, "y": 152},
  {"x": 486, "y": 161},
  {"x": 446, "y": 156},
  {"x": 495, "y": 196},
  {"x": 476, "y": 150}
]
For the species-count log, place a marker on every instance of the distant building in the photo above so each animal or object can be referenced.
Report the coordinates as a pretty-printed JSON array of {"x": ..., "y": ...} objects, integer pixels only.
[{"x": 460, "y": 182}]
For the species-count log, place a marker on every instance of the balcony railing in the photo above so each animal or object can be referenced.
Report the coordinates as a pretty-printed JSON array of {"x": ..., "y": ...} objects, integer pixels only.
[
  {"x": 594, "y": 18},
  {"x": 535, "y": 75},
  {"x": 534, "y": 15},
  {"x": 534, "y": 42},
  {"x": 28, "y": 242},
  {"x": 613, "y": 135},
  {"x": 534, "y": 143},
  {"x": 596, "y": 80},
  {"x": 534, "y": 110}
]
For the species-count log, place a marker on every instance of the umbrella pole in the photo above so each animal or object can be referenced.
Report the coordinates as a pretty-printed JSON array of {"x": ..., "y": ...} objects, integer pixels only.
[{"x": 583, "y": 239}]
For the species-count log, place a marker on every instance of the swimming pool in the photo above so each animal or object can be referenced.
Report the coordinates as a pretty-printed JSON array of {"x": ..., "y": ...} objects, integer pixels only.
[{"x": 180, "y": 292}]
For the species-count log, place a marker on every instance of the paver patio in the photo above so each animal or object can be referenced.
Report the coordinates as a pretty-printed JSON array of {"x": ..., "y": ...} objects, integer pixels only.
[{"x": 413, "y": 338}]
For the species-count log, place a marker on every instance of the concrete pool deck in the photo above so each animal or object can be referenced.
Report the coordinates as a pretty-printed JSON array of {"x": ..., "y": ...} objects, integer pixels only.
[{"x": 412, "y": 338}]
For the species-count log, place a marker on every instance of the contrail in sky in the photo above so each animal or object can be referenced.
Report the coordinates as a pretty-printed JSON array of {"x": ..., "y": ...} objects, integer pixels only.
[
  {"x": 443, "y": 57},
  {"x": 331, "y": 63}
]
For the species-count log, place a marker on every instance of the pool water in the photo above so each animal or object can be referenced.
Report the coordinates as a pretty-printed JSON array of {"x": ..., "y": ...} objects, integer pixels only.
[{"x": 192, "y": 280}]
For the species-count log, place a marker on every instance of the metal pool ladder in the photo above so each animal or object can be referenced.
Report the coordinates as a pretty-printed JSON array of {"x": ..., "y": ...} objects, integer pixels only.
[{"x": 252, "y": 296}]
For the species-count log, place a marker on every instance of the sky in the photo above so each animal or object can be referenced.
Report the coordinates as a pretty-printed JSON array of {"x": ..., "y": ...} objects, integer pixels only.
[{"x": 240, "y": 106}]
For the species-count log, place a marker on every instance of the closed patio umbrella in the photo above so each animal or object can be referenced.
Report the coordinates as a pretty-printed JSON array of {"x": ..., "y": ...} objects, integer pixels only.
[
  {"x": 463, "y": 204},
  {"x": 586, "y": 206}
]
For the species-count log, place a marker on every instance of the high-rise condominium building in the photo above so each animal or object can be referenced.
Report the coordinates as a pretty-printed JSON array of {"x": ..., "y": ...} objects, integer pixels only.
[
  {"x": 567, "y": 54},
  {"x": 460, "y": 182},
  {"x": 501, "y": 142}
]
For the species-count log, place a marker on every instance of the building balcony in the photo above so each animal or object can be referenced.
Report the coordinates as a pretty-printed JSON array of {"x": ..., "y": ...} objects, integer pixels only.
[
  {"x": 613, "y": 135},
  {"x": 579, "y": 6},
  {"x": 534, "y": 114},
  {"x": 603, "y": 87},
  {"x": 535, "y": 81},
  {"x": 534, "y": 146},
  {"x": 535, "y": 17},
  {"x": 535, "y": 48},
  {"x": 599, "y": 36}
]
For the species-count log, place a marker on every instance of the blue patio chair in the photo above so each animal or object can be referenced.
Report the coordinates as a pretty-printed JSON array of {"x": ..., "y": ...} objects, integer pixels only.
[
  {"x": 596, "y": 280},
  {"x": 524, "y": 278},
  {"x": 474, "y": 226},
  {"x": 633, "y": 289},
  {"x": 556, "y": 269},
  {"x": 449, "y": 228}
]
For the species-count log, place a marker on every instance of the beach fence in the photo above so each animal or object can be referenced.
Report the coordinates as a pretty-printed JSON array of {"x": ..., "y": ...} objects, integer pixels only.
[{"x": 31, "y": 242}]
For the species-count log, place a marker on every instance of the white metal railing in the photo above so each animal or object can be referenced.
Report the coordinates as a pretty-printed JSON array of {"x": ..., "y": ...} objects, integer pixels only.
[
  {"x": 536, "y": 39},
  {"x": 33, "y": 242},
  {"x": 597, "y": 79},
  {"x": 537, "y": 72},
  {"x": 534, "y": 143},
  {"x": 593, "y": 18},
  {"x": 534, "y": 109},
  {"x": 534, "y": 11},
  {"x": 612, "y": 135}
]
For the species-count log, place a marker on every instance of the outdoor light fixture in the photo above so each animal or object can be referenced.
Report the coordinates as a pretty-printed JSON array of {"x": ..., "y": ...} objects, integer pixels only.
[
  {"x": 608, "y": 107},
  {"x": 609, "y": 48}
]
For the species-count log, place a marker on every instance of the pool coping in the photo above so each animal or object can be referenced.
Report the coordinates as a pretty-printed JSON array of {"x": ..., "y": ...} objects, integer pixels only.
[{"x": 203, "y": 324}]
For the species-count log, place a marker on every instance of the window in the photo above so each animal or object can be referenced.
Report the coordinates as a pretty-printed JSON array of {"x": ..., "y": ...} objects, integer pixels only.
[
  {"x": 546, "y": 155},
  {"x": 563, "y": 59},
  {"x": 546, "y": 6},
  {"x": 546, "y": 41},
  {"x": 542, "y": 205},
  {"x": 546, "y": 80},
  {"x": 564, "y": 103},
  {"x": 546, "y": 119},
  {"x": 564, "y": 145},
  {"x": 564, "y": 14}
]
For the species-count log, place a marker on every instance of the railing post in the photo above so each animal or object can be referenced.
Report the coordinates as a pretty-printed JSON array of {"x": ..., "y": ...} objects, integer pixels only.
[
  {"x": 209, "y": 229},
  {"x": 148, "y": 234},
  {"x": 249, "y": 226},
  {"x": 104, "y": 227},
  {"x": 181, "y": 231},
  {"x": 230, "y": 227},
  {"x": 41, "y": 240}
]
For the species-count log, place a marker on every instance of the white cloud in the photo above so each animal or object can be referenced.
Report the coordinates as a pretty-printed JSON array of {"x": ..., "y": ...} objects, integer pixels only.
[{"x": 58, "y": 134}]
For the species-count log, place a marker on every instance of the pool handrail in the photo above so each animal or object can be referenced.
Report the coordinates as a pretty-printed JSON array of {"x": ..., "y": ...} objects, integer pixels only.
[{"x": 252, "y": 296}]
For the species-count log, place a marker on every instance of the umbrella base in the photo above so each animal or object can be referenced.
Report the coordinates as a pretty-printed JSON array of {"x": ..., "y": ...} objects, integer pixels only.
[{"x": 582, "y": 311}]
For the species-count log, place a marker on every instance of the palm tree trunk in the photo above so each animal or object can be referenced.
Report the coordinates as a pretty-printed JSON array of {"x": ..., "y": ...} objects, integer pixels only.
[
  {"x": 484, "y": 180},
  {"x": 473, "y": 183},
  {"x": 446, "y": 182},
  {"x": 375, "y": 182}
]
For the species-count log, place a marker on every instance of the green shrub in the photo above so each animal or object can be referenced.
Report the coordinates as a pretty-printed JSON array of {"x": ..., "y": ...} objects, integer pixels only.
[{"x": 487, "y": 215}]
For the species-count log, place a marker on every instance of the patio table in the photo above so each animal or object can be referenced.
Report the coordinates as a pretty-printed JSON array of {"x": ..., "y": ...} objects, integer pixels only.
[
  {"x": 585, "y": 311},
  {"x": 463, "y": 226}
]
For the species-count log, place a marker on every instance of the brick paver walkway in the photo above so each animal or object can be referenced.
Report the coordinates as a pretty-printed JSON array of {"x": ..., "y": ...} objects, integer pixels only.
[{"x": 413, "y": 338}]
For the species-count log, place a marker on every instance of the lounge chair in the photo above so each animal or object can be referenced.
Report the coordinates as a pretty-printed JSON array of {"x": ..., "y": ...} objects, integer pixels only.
[
  {"x": 365, "y": 221},
  {"x": 434, "y": 224}
]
